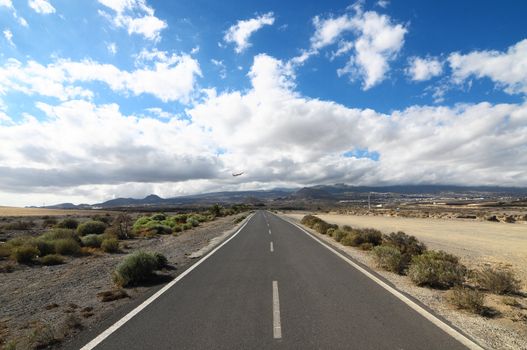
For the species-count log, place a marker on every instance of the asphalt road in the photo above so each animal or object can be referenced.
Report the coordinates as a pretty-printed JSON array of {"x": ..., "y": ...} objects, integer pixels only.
[{"x": 300, "y": 295}]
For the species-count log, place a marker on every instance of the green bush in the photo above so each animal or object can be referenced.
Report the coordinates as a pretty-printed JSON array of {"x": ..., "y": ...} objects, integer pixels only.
[
  {"x": 158, "y": 217},
  {"x": 436, "y": 269},
  {"x": 19, "y": 225},
  {"x": 347, "y": 228},
  {"x": 58, "y": 233},
  {"x": 52, "y": 259},
  {"x": 44, "y": 247},
  {"x": 467, "y": 299},
  {"x": 68, "y": 223},
  {"x": 135, "y": 269},
  {"x": 498, "y": 280},
  {"x": 91, "y": 228},
  {"x": 186, "y": 226},
  {"x": 110, "y": 245},
  {"x": 24, "y": 254},
  {"x": 358, "y": 237},
  {"x": 330, "y": 231},
  {"x": 162, "y": 260},
  {"x": 66, "y": 246},
  {"x": 389, "y": 258},
  {"x": 177, "y": 228},
  {"x": 194, "y": 222},
  {"x": 92, "y": 240},
  {"x": 338, "y": 235},
  {"x": 409, "y": 246}
]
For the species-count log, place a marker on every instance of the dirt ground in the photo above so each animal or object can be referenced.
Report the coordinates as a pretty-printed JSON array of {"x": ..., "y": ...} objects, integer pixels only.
[
  {"x": 475, "y": 242},
  {"x": 43, "y": 303},
  {"x": 13, "y": 211},
  {"x": 506, "y": 329}
]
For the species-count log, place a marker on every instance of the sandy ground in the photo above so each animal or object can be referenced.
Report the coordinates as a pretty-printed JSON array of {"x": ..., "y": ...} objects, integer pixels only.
[
  {"x": 14, "y": 211},
  {"x": 507, "y": 330},
  {"x": 476, "y": 242},
  {"x": 52, "y": 297}
]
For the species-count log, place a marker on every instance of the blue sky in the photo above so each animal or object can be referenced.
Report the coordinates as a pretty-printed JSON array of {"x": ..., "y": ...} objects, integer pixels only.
[{"x": 110, "y": 98}]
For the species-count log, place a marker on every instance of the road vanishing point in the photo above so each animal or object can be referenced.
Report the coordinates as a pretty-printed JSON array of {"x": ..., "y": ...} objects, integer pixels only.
[{"x": 272, "y": 285}]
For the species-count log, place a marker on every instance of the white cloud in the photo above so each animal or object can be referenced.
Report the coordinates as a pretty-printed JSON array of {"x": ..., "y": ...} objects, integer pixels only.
[
  {"x": 421, "y": 69},
  {"x": 6, "y": 3},
  {"x": 221, "y": 66},
  {"x": 240, "y": 33},
  {"x": 281, "y": 138},
  {"x": 168, "y": 77},
  {"x": 377, "y": 40},
  {"x": 328, "y": 30},
  {"x": 136, "y": 16},
  {"x": 112, "y": 48},
  {"x": 506, "y": 69},
  {"x": 8, "y": 35},
  {"x": 383, "y": 3},
  {"x": 41, "y": 6},
  {"x": 23, "y": 22}
]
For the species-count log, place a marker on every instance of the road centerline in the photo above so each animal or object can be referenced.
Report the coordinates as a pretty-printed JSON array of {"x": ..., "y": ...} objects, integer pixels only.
[
  {"x": 272, "y": 248},
  {"x": 277, "y": 326}
]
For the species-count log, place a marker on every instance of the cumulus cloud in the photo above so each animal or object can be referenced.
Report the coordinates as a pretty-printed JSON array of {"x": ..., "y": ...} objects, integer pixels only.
[
  {"x": 506, "y": 69},
  {"x": 376, "y": 40},
  {"x": 278, "y": 136},
  {"x": 421, "y": 69},
  {"x": 136, "y": 16},
  {"x": 240, "y": 33},
  {"x": 167, "y": 77},
  {"x": 6, "y": 3},
  {"x": 41, "y": 6}
]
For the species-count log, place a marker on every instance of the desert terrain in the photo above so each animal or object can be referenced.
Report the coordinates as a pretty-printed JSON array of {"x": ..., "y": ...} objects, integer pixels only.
[{"x": 475, "y": 242}]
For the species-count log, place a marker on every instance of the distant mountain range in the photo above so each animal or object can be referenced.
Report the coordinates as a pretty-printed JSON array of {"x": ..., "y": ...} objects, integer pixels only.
[{"x": 314, "y": 193}]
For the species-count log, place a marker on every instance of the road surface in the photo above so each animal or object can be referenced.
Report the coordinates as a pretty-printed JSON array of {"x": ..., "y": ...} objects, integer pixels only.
[{"x": 274, "y": 287}]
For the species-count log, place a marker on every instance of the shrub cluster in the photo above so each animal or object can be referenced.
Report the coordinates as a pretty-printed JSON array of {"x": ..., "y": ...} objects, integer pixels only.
[
  {"x": 436, "y": 269},
  {"x": 137, "y": 268},
  {"x": 91, "y": 227},
  {"x": 68, "y": 223},
  {"x": 163, "y": 224},
  {"x": 52, "y": 259},
  {"x": 110, "y": 245},
  {"x": 397, "y": 251},
  {"x": 317, "y": 224}
]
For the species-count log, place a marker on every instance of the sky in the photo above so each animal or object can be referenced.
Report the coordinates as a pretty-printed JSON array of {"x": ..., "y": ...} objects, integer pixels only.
[{"x": 124, "y": 98}]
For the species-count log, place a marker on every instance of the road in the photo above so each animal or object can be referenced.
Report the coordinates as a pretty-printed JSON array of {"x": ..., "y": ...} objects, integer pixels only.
[{"x": 273, "y": 287}]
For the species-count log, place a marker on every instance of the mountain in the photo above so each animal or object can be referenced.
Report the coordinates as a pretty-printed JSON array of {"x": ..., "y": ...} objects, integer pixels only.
[{"x": 325, "y": 193}]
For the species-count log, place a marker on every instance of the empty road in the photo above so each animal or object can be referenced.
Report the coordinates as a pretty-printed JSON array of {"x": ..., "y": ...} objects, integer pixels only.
[{"x": 274, "y": 287}]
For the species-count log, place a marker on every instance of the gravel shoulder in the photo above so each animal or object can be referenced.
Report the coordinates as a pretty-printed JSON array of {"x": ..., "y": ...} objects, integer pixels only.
[
  {"x": 492, "y": 333},
  {"x": 64, "y": 299}
]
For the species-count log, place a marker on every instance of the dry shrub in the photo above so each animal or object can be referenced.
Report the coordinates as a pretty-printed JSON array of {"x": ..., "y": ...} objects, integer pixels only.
[
  {"x": 436, "y": 269},
  {"x": 467, "y": 299},
  {"x": 389, "y": 258},
  {"x": 498, "y": 280}
]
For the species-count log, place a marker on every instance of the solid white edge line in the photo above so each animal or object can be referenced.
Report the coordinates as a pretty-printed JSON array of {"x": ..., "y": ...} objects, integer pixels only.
[
  {"x": 436, "y": 321},
  {"x": 272, "y": 249},
  {"x": 269, "y": 231},
  {"x": 277, "y": 325},
  {"x": 97, "y": 340}
]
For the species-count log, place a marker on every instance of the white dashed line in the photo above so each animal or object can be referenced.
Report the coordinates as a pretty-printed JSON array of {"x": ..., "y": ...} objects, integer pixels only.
[
  {"x": 277, "y": 326},
  {"x": 272, "y": 249}
]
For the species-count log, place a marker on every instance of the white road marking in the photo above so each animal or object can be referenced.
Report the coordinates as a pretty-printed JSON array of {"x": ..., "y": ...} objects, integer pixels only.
[
  {"x": 419, "y": 309},
  {"x": 269, "y": 231},
  {"x": 277, "y": 326},
  {"x": 272, "y": 250},
  {"x": 92, "y": 344}
]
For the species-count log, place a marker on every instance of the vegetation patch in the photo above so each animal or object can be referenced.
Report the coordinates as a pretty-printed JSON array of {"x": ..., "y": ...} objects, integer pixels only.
[
  {"x": 135, "y": 269},
  {"x": 52, "y": 259},
  {"x": 389, "y": 258},
  {"x": 110, "y": 245},
  {"x": 436, "y": 269},
  {"x": 68, "y": 223},
  {"x": 92, "y": 240},
  {"x": 498, "y": 280},
  {"x": 25, "y": 254},
  {"x": 467, "y": 299},
  {"x": 91, "y": 228}
]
